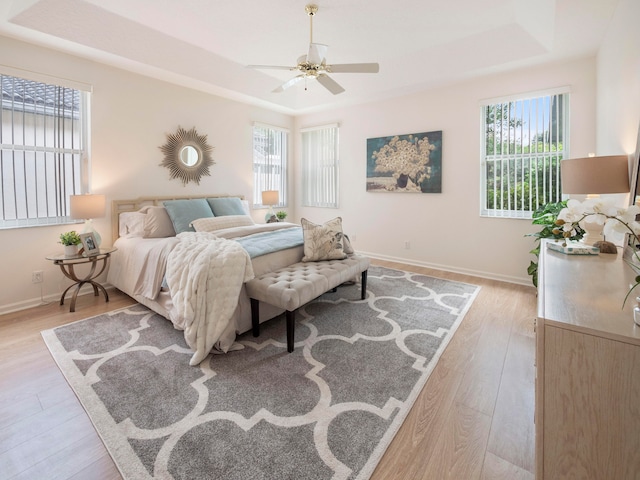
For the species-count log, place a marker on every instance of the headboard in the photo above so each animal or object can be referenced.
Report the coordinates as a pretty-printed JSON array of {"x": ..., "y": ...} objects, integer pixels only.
[{"x": 120, "y": 206}]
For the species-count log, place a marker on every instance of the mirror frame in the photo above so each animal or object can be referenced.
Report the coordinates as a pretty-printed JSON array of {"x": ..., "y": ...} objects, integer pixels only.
[{"x": 173, "y": 149}]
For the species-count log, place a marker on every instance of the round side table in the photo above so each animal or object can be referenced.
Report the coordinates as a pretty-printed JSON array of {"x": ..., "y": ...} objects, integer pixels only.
[{"x": 99, "y": 263}]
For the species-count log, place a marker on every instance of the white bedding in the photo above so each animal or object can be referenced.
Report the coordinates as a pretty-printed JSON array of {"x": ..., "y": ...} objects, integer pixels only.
[{"x": 139, "y": 266}]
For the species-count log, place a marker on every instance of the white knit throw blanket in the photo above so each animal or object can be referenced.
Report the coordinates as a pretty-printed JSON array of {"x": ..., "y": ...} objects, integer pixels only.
[{"x": 205, "y": 275}]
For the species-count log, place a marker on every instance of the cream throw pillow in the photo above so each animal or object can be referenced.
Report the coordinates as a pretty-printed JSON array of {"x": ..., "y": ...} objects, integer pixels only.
[
  {"x": 211, "y": 224},
  {"x": 323, "y": 242}
]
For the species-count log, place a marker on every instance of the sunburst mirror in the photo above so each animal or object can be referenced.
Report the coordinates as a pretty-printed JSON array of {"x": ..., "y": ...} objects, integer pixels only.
[{"x": 187, "y": 155}]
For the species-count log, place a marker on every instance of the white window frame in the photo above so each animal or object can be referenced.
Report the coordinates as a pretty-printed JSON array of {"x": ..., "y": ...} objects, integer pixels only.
[
  {"x": 44, "y": 150},
  {"x": 270, "y": 171},
  {"x": 320, "y": 166},
  {"x": 516, "y": 160}
]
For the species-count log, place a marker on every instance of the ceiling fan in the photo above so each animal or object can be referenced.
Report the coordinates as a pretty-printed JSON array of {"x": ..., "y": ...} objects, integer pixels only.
[{"x": 313, "y": 64}]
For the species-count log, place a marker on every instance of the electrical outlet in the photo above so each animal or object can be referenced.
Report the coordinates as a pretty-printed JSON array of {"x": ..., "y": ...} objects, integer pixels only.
[
  {"x": 352, "y": 238},
  {"x": 407, "y": 245},
  {"x": 37, "y": 276}
]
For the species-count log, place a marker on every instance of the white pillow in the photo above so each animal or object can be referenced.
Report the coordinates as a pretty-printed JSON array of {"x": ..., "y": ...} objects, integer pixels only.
[
  {"x": 211, "y": 224},
  {"x": 131, "y": 224}
]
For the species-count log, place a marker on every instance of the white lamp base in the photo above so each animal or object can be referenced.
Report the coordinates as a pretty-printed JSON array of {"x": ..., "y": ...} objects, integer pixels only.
[{"x": 88, "y": 228}]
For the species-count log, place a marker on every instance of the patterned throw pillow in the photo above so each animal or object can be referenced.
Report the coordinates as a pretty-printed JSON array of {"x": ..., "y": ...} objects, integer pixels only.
[{"x": 323, "y": 242}]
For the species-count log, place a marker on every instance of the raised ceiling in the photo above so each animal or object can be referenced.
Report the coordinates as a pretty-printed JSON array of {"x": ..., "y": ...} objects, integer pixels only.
[{"x": 419, "y": 44}]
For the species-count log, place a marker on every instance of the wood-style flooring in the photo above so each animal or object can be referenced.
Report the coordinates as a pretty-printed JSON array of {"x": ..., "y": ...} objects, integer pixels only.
[{"x": 473, "y": 419}]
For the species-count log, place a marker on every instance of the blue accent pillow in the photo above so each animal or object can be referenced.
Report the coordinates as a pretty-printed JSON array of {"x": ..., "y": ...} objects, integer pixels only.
[
  {"x": 226, "y": 206},
  {"x": 183, "y": 212}
]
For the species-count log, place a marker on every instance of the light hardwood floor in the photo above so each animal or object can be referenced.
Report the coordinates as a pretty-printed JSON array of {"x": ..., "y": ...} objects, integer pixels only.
[{"x": 473, "y": 419}]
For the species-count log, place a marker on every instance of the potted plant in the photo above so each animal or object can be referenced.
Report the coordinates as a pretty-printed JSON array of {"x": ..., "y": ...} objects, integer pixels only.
[
  {"x": 281, "y": 215},
  {"x": 70, "y": 241},
  {"x": 546, "y": 216}
]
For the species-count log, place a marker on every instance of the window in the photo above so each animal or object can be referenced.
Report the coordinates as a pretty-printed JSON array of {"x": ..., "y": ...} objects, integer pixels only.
[
  {"x": 523, "y": 143},
  {"x": 269, "y": 163},
  {"x": 320, "y": 166},
  {"x": 43, "y": 152}
]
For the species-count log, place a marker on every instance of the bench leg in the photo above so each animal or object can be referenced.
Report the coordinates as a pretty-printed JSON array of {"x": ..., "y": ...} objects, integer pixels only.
[
  {"x": 363, "y": 293},
  {"x": 291, "y": 322},
  {"x": 255, "y": 317}
]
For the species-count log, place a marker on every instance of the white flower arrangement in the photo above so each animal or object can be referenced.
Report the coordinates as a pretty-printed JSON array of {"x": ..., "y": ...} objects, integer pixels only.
[{"x": 605, "y": 213}]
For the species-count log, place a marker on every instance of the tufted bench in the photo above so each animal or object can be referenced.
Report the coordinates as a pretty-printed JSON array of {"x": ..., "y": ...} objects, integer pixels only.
[{"x": 293, "y": 286}]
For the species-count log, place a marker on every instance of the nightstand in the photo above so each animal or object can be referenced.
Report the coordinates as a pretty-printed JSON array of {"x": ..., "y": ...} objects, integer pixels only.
[{"x": 99, "y": 263}]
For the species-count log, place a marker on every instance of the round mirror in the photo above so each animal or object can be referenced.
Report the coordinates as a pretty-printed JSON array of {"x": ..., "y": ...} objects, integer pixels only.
[{"x": 187, "y": 155}]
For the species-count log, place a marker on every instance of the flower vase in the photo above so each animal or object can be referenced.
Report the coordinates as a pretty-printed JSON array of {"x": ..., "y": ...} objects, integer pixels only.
[
  {"x": 70, "y": 250},
  {"x": 402, "y": 181}
]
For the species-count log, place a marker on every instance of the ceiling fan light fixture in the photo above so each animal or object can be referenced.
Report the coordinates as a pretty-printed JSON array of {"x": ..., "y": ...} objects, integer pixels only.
[{"x": 313, "y": 64}]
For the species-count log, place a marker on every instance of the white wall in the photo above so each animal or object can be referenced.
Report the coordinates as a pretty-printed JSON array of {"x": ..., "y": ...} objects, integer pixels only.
[
  {"x": 445, "y": 230},
  {"x": 618, "y": 91},
  {"x": 131, "y": 116}
]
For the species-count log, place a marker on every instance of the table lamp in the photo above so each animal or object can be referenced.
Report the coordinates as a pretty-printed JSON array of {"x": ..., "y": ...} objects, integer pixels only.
[
  {"x": 271, "y": 198},
  {"x": 593, "y": 176},
  {"x": 87, "y": 207}
]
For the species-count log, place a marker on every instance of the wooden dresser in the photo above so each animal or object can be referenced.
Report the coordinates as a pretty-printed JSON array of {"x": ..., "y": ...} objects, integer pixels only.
[{"x": 587, "y": 369}]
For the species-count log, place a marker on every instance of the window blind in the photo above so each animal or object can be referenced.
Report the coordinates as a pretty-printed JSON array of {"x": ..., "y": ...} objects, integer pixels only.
[
  {"x": 42, "y": 151},
  {"x": 320, "y": 166}
]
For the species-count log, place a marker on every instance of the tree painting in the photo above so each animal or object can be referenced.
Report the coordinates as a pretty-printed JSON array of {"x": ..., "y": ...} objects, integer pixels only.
[{"x": 405, "y": 163}]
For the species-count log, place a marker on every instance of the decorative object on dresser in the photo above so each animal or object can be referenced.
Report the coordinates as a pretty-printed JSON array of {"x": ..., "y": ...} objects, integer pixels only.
[
  {"x": 187, "y": 155},
  {"x": 281, "y": 215},
  {"x": 87, "y": 207},
  {"x": 593, "y": 176},
  {"x": 326, "y": 411}
]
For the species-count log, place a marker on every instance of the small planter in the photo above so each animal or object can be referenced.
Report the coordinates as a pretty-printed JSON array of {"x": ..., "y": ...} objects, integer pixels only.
[{"x": 70, "y": 250}]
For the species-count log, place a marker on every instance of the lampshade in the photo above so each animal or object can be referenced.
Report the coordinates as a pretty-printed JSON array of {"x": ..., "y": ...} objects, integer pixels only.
[
  {"x": 270, "y": 197},
  {"x": 595, "y": 175},
  {"x": 87, "y": 206}
]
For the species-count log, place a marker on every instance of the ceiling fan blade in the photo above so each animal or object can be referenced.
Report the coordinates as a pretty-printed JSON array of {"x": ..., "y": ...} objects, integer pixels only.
[
  {"x": 317, "y": 53},
  {"x": 330, "y": 84},
  {"x": 354, "y": 68},
  {"x": 288, "y": 83},
  {"x": 272, "y": 67}
]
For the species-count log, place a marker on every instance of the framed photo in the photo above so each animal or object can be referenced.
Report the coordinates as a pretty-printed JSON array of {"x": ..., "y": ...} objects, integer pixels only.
[
  {"x": 410, "y": 163},
  {"x": 89, "y": 244}
]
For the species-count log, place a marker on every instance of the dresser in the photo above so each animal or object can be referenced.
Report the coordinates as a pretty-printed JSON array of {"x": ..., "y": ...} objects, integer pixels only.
[{"x": 587, "y": 369}]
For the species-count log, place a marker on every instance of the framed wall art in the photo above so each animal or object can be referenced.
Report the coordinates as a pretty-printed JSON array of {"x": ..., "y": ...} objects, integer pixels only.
[{"x": 410, "y": 163}]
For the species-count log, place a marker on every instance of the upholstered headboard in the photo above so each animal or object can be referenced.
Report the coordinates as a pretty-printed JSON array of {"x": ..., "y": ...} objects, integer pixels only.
[{"x": 120, "y": 206}]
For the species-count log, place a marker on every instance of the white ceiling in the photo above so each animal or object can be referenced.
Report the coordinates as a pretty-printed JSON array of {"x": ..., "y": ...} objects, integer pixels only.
[{"x": 206, "y": 44}]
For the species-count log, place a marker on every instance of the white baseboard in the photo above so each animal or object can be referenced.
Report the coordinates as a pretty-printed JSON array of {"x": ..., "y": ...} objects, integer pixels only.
[
  {"x": 445, "y": 268},
  {"x": 47, "y": 300}
]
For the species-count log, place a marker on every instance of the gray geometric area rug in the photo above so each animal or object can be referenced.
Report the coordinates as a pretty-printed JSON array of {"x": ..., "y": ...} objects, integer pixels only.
[{"x": 326, "y": 411}]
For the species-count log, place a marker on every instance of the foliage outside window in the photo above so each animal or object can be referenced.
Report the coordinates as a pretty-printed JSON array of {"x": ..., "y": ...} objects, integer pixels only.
[
  {"x": 269, "y": 163},
  {"x": 320, "y": 166},
  {"x": 43, "y": 151},
  {"x": 523, "y": 142}
]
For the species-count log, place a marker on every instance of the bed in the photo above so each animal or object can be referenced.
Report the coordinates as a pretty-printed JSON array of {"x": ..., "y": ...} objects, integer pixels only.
[{"x": 157, "y": 251}]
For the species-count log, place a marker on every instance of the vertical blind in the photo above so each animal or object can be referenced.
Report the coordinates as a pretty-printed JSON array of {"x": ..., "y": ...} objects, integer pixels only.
[
  {"x": 524, "y": 141},
  {"x": 320, "y": 166},
  {"x": 269, "y": 162},
  {"x": 42, "y": 149}
]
